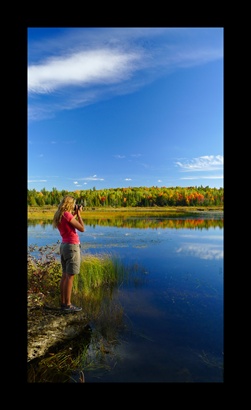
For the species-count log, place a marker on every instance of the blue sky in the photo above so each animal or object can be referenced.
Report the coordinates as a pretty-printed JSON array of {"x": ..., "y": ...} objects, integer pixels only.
[{"x": 125, "y": 107}]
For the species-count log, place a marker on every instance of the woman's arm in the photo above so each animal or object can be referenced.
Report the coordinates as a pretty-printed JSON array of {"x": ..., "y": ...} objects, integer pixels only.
[{"x": 78, "y": 223}]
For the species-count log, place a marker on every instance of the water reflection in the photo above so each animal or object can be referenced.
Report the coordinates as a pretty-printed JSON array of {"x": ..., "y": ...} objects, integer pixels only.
[
  {"x": 145, "y": 223},
  {"x": 165, "y": 323},
  {"x": 209, "y": 251}
]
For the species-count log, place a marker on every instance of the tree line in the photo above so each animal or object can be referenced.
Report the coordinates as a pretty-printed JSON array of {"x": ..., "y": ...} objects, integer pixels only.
[{"x": 131, "y": 197}]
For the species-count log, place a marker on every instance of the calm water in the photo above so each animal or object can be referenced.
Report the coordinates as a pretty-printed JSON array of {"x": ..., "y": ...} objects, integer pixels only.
[{"x": 173, "y": 317}]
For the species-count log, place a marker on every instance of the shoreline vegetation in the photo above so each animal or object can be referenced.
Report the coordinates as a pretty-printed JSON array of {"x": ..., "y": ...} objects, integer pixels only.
[{"x": 47, "y": 212}]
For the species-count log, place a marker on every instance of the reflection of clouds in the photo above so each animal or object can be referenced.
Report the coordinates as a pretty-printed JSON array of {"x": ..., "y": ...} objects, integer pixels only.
[
  {"x": 218, "y": 237},
  {"x": 202, "y": 251}
]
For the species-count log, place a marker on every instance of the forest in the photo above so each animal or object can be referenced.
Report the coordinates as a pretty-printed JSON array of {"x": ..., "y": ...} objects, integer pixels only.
[{"x": 131, "y": 197}]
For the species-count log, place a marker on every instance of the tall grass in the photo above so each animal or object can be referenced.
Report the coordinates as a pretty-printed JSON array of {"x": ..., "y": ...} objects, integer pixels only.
[
  {"x": 97, "y": 270},
  {"x": 44, "y": 274}
]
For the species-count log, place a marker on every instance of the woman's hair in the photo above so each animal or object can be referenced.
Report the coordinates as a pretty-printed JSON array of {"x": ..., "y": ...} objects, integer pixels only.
[{"x": 67, "y": 204}]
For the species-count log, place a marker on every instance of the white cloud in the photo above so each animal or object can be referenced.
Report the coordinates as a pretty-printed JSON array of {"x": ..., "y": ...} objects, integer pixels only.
[
  {"x": 204, "y": 163},
  {"x": 81, "y": 69}
]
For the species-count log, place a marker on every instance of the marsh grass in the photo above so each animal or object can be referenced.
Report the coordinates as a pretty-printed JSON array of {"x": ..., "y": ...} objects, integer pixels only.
[
  {"x": 96, "y": 271},
  {"x": 44, "y": 213}
]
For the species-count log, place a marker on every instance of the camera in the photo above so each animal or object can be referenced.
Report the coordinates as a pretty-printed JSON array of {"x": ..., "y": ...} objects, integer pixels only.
[{"x": 77, "y": 206}]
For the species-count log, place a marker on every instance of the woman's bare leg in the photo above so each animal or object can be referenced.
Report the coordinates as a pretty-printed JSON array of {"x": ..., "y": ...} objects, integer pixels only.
[{"x": 66, "y": 284}]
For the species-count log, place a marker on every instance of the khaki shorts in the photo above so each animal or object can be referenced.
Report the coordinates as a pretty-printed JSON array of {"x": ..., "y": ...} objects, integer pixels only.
[{"x": 70, "y": 258}]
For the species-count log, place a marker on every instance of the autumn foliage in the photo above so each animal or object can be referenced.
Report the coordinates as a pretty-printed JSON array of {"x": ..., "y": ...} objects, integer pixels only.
[{"x": 132, "y": 197}]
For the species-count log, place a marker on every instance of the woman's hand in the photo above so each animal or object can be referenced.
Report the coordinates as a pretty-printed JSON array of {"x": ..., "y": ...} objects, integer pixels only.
[
  {"x": 78, "y": 223},
  {"x": 77, "y": 210}
]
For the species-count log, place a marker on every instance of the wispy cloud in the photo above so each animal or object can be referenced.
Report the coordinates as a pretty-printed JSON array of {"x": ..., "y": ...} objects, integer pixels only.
[
  {"x": 83, "y": 66},
  {"x": 95, "y": 178},
  {"x": 136, "y": 155},
  {"x": 81, "y": 69},
  {"x": 36, "y": 180},
  {"x": 204, "y": 163},
  {"x": 203, "y": 177}
]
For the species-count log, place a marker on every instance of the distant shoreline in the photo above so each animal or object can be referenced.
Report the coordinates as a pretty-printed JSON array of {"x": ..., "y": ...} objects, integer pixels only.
[{"x": 47, "y": 212}]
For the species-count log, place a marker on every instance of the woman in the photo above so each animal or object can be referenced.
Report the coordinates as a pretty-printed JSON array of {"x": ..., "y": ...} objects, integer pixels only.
[{"x": 67, "y": 219}]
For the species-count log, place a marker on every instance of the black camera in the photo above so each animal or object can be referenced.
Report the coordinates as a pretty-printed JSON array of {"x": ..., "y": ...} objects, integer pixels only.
[{"x": 77, "y": 206}]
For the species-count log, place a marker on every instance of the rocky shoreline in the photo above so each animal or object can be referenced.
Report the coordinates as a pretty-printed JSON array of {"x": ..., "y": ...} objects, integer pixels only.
[{"x": 48, "y": 327}]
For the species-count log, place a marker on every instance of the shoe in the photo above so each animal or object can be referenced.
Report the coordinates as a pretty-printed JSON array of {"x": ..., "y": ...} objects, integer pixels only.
[{"x": 71, "y": 308}]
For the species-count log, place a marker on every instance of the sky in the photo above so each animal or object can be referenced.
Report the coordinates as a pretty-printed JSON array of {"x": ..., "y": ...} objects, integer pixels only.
[{"x": 117, "y": 107}]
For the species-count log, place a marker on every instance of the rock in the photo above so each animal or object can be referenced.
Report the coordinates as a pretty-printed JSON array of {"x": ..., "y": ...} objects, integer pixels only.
[{"x": 48, "y": 327}]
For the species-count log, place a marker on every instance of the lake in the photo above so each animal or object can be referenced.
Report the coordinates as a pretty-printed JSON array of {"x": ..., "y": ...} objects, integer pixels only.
[{"x": 173, "y": 308}]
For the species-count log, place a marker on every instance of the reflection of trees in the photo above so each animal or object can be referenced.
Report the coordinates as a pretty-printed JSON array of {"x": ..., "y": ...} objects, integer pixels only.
[
  {"x": 42, "y": 222},
  {"x": 146, "y": 223}
]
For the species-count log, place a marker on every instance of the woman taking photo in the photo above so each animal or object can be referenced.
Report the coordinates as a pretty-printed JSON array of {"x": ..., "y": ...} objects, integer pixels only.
[{"x": 68, "y": 221}]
